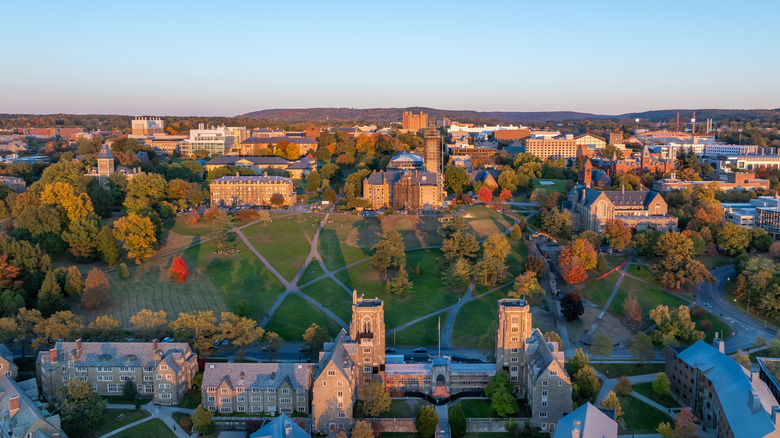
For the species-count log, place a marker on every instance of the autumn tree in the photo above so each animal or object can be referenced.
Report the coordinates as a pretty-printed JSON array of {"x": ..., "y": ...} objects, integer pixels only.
[
  {"x": 73, "y": 282},
  {"x": 149, "y": 322},
  {"x": 496, "y": 246},
  {"x": 178, "y": 270},
  {"x": 8, "y": 274},
  {"x": 526, "y": 286},
  {"x": 201, "y": 421},
  {"x": 81, "y": 409},
  {"x": 537, "y": 265},
  {"x": 586, "y": 382},
  {"x": 661, "y": 385},
  {"x": 313, "y": 182},
  {"x": 241, "y": 330},
  {"x": 623, "y": 387},
  {"x": 97, "y": 291},
  {"x": 460, "y": 245},
  {"x": 632, "y": 311},
  {"x": 576, "y": 259},
  {"x": 122, "y": 271},
  {"x": 732, "y": 239},
  {"x": 612, "y": 402},
  {"x": 516, "y": 233},
  {"x": 674, "y": 244},
  {"x": 373, "y": 399},
  {"x": 198, "y": 328},
  {"x": 277, "y": 199},
  {"x": 362, "y": 429},
  {"x": 455, "y": 178},
  {"x": 571, "y": 306},
  {"x": 107, "y": 246},
  {"x": 674, "y": 270},
  {"x": 62, "y": 325},
  {"x": 138, "y": 236},
  {"x": 220, "y": 230},
  {"x": 105, "y": 327},
  {"x": 617, "y": 234}
]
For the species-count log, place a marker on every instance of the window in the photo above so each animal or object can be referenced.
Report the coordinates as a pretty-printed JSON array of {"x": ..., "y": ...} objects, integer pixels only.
[
  {"x": 241, "y": 409},
  {"x": 331, "y": 373},
  {"x": 285, "y": 390},
  {"x": 301, "y": 399},
  {"x": 542, "y": 414},
  {"x": 168, "y": 376},
  {"x": 514, "y": 359},
  {"x": 544, "y": 403},
  {"x": 271, "y": 390},
  {"x": 105, "y": 378},
  {"x": 515, "y": 319},
  {"x": 210, "y": 398},
  {"x": 104, "y": 369},
  {"x": 164, "y": 367},
  {"x": 240, "y": 390},
  {"x": 339, "y": 383},
  {"x": 544, "y": 393},
  {"x": 515, "y": 330},
  {"x": 225, "y": 409},
  {"x": 70, "y": 364},
  {"x": 271, "y": 399},
  {"x": 514, "y": 338},
  {"x": 257, "y": 408},
  {"x": 125, "y": 378},
  {"x": 286, "y": 400},
  {"x": 81, "y": 369},
  {"x": 225, "y": 399},
  {"x": 342, "y": 415},
  {"x": 241, "y": 399},
  {"x": 560, "y": 383},
  {"x": 224, "y": 391},
  {"x": 270, "y": 408},
  {"x": 368, "y": 370},
  {"x": 148, "y": 388},
  {"x": 159, "y": 377},
  {"x": 255, "y": 390},
  {"x": 212, "y": 408},
  {"x": 341, "y": 394},
  {"x": 66, "y": 378},
  {"x": 113, "y": 387},
  {"x": 126, "y": 369},
  {"x": 211, "y": 389},
  {"x": 166, "y": 396},
  {"x": 148, "y": 379},
  {"x": 513, "y": 369},
  {"x": 553, "y": 373},
  {"x": 544, "y": 383},
  {"x": 515, "y": 350},
  {"x": 366, "y": 360},
  {"x": 324, "y": 383},
  {"x": 301, "y": 409}
]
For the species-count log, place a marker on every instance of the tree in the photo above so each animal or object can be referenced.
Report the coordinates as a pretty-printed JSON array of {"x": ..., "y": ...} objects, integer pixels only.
[
  {"x": 617, "y": 234},
  {"x": 601, "y": 264},
  {"x": 62, "y": 325},
  {"x": 123, "y": 272},
  {"x": 742, "y": 358},
  {"x": 571, "y": 306},
  {"x": 389, "y": 253},
  {"x": 374, "y": 399},
  {"x": 81, "y": 410},
  {"x": 105, "y": 327},
  {"x": 314, "y": 337},
  {"x": 591, "y": 236},
  {"x": 241, "y": 330},
  {"x": 107, "y": 247},
  {"x": 674, "y": 270},
  {"x": 455, "y": 178},
  {"x": 50, "y": 299},
  {"x": 149, "y": 322},
  {"x": 399, "y": 285},
  {"x": 272, "y": 343},
  {"x": 313, "y": 182},
  {"x": 201, "y": 421},
  {"x": 551, "y": 336},
  {"x": 623, "y": 386},
  {"x": 138, "y": 236},
  {"x": 732, "y": 239},
  {"x": 457, "y": 420},
  {"x": 427, "y": 421},
  {"x": 633, "y": 311},
  {"x": 496, "y": 247},
  {"x": 219, "y": 231},
  {"x": 362, "y": 429},
  {"x": 577, "y": 362},
  {"x": 460, "y": 245},
  {"x": 491, "y": 270},
  {"x": 557, "y": 223},
  {"x": 129, "y": 390},
  {"x": 178, "y": 270},
  {"x": 8, "y": 274},
  {"x": 602, "y": 346},
  {"x": 586, "y": 382},
  {"x": 526, "y": 286},
  {"x": 485, "y": 194},
  {"x": 277, "y": 199},
  {"x": 679, "y": 244},
  {"x": 685, "y": 424},
  {"x": 97, "y": 291},
  {"x": 612, "y": 402},
  {"x": 516, "y": 233},
  {"x": 661, "y": 385},
  {"x": 503, "y": 403},
  {"x": 73, "y": 282},
  {"x": 537, "y": 265},
  {"x": 329, "y": 195},
  {"x": 760, "y": 240},
  {"x": 197, "y": 328}
]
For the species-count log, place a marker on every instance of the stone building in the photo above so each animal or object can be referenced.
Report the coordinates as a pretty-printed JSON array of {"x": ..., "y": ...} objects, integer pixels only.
[
  {"x": 163, "y": 371},
  {"x": 411, "y": 190},
  {"x": 14, "y": 183},
  {"x": 646, "y": 162},
  {"x": 147, "y": 126},
  {"x": 20, "y": 415},
  {"x": 640, "y": 209},
  {"x": 7, "y": 365},
  {"x": 105, "y": 166},
  {"x": 250, "y": 190},
  {"x": 414, "y": 122},
  {"x": 269, "y": 388}
]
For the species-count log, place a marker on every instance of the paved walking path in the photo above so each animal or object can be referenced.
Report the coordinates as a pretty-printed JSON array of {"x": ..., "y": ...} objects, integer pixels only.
[
  {"x": 164, "y": 413},
  {"x": 444, "y": 421},
  {"x": 608, "y": 385}
]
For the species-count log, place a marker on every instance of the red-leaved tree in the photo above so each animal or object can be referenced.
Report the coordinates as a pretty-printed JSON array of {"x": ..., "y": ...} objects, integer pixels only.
[
  {"x": 505, "y": 194},
  {"x": 485, "y": 194},
  {"x": 178, "y": 270}
]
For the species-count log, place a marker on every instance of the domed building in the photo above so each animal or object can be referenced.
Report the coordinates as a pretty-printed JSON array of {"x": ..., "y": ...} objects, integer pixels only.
[{"x": 406, "y": 161}]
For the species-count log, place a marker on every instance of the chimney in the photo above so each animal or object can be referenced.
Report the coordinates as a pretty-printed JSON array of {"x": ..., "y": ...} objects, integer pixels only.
[
  {"x": 754, "y": 401},
  {"x": 719, "y": 344},
  {"x": 623, "y": 188},
  {"x": 13, "y": 406},
  {"x": 576, "y": 429},
  {"x": 238, "y": 173},
  {"x": 775, "y": 415},
  {"x": 154, "y": 345},
  {"x": 78, "y": 348},
  {"x": 53, "y": 355},
  {"x": 287, "y": 428}
]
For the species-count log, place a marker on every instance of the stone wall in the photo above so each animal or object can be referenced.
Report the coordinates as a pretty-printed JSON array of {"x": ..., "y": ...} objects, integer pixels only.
[
  {"x": 393, "y": 425},
  {"x": 475, "y": 425}
]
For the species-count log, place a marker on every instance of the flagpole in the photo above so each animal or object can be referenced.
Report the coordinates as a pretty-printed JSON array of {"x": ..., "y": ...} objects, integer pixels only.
[{"x": 440, "y": 337}]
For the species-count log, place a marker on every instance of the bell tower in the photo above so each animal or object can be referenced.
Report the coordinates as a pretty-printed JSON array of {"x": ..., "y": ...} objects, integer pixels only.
[
  {"x": 367, "y": 329},
  {"x": 513, "y": 328}
]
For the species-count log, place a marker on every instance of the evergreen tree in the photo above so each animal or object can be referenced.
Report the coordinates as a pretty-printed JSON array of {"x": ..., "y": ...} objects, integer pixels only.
[
  {"x": 427, "y": 421},
  {"x": 457, "y": 419},
  {"x": 129, "y": 391},
  {"x": 123, "y": 272},
  {"x": 73, "y": 282},
  {"x": 50, "y": 299}
]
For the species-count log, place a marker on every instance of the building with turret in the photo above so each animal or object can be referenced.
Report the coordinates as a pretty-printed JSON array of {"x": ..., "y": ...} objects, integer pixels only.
[{"x": 105, "y": 166}]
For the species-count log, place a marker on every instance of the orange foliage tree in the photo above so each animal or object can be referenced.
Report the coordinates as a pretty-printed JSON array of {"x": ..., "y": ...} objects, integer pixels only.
[
  {"x": 178, "y": 270},
  {"x": 485, "y": 194},
  {"x": 576, "y": 259}
]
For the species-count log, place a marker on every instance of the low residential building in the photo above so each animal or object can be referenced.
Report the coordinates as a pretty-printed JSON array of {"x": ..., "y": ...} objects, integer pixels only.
[
  {"x": 163, "y": 371},
  {"x": 14, "y": 183},
  {"x": 7, "y": 365},
  {"x": 20, "y": 415},
  {"x": 280, "y": 427},
  {"x": 722, "y": 394},
  {"x": 588, "y": 421},
  {"x": 545, "y": 148},
  {"x": 410, "y": 190},
  {"x": 725, "y": 180},
  {"x": 254, "y": 145},
  {"x": 251, "y": 190},
  {"x": 269, "y": 388},
  {"x": 641, "y": 209}
]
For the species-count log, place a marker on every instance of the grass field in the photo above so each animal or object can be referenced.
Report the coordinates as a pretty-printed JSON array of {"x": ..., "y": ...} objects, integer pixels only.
[
  {"x": 328, "y": 293},
  {"x": 476, "y": 408},
  {"x": 598, "y": 291},
  {"x": 423, "y": 333},
  {"x": 428, "y": 293},
  {"x": 154, "y": 427},
  {"x": 561, "y": 186},
  {"x": 191, "y": 400},
  {"x": 295, "y": 315},
  {"x": 627, "y": 369},
  {"x": 646, "y": 389},
  {"x": 648, "y": 296},
  {"x": 313, "y": 270},
  {"x": 717, "y": 326},
  {"x": 285, "y": 242},
  {"x": 112, "y": 422},
  {"x": 399, "y": 408},
  {"x": 485, "y": 221},
  {"x": 638, "y": 417},
  {"x": 474, "y": 319}
]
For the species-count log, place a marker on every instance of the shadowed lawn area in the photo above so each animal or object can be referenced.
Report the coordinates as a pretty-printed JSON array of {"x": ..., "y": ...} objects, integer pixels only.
[
  {"x": 428, "y": 293},
  {"x": 154, "y": 427},
  {"x": 474, "y": 319},
  {"x": 399, "y": 408},
  {"x": 598, "y": 291},
  {"x": 646, "y": 389},
  {"x": 476, "y": 408},
  {"x": 295, "y": 315},
  {"x": 423, "y": 333},
  {"x": 559, "y": 185},
  {"x": 715, "y": 325},
  {"x": 627, "y": 369},
  {"x": 313, "y": 270},
  {"x": 190, "y": 400},
  {"x": 485, "y": 221},
  {"x": 285, "y": 241},
  {"x": 180, "y": 226},
  {"x": 328, "y": 293},
  {"x": 112, "y": 422},
  {"x": 648, "y": 296},
  {"x": 639, "y": 417}
]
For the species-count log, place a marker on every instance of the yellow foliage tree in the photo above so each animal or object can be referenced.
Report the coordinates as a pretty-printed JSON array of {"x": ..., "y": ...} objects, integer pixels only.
[{"x": 137, "y": 234}]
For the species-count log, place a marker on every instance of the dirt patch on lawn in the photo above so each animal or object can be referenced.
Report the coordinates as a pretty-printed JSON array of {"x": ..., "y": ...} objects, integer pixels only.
[{"x": 612, "y": 326}]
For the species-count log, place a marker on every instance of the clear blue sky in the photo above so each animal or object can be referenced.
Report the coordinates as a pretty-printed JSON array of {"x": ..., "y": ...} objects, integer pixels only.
[{"x": 230, "y": 57}]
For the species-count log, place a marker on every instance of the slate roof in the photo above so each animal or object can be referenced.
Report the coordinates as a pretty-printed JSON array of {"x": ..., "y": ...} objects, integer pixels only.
[
  {"x": 422, "y": 178},
  {"x": 112, "y": 354},
  {"x": 250, "y": 178},
  {"x": 29, "y": 419},
  {"x": 593, "y": 423},
  {"x": 336, "y": 353},
  {"x": 544, "y": 357},
  {"x": 733, "y": 385},
  {"x": 299, "y": 165},
  {"x": 105, "y": 152},
  {"x": 6, "y": 354},
  {"x": 228, "y": 161},
  {"x": 274, "y": 140},
  {"x": 628, "y": 198},
  {"x": 258, "y": 375},
  {"x": 280, "y": 427}
]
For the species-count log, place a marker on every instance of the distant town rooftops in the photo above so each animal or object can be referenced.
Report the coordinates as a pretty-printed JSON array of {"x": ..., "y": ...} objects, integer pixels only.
[{"x": 257, "y": 179}]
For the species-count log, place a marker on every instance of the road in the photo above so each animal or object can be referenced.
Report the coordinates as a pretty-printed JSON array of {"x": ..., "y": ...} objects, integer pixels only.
[{"x": 746, "y": 329}]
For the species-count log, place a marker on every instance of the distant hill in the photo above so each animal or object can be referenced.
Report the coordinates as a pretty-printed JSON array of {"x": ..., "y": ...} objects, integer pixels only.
[{"x": 388, "y": 115}]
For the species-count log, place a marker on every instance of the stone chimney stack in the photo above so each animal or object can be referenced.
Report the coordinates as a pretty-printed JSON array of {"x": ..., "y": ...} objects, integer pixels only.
[
  {"x": 78, "y": 348},
  {"x": 754, "y": 401},
  {"x": 13, "y": 406},
  {"x": 719, "y": 344},
  {"x": 53, "y": 355},
  {"x": 154, "y": 345},
  {"x": 576, "y": 429}
]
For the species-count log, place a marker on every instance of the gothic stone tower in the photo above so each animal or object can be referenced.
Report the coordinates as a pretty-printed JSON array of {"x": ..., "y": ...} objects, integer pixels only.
[
  {"x": 105, "y": 163},
  {"x": 367, "y": 329},
  {"x": 512, "y": 330}
]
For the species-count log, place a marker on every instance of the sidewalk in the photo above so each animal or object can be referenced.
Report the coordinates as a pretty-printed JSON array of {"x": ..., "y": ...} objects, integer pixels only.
[{"x": 164, "y": 413}]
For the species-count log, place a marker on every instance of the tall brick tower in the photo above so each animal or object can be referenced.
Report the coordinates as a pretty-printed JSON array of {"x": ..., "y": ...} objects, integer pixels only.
[
  {"x": 367, "y": 329},
  {"x": 512, "y": 330},
  {"x": 432, "y": 147},
  {"x": 105, "y": 163}
]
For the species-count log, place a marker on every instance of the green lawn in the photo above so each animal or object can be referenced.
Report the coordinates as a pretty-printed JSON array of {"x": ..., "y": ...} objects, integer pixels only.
[
  {"x": 328, "y": 293},
  {"x": 646, "y": 389},
  {"x": 118, "y": 399},
  {"x": 476, "y": 408},
  {"x": 559, "y": 185},
  {"x": 613, "y": 370},
  {"x": 645, "y": 273},
  {"x": 474, "y": 320},
  {"x": 485, "y": 221},
  {"x": 180, "y": 226},
  {"x": 423, "y": 333},
  {"x": 154, "y": 427},
  {"x": 638, "y": 417},
  {"x": 399, "y": 408},
  {"x": 716, "y": 325},
  {"x": 648, "y": 296},
  {"x": 295, "y": 315},
  {"x": 285, "y": 242},
  {"x": 190, "y": 400},
  {"x": 313, "y": 270},
  {"x": 112, "y": 422},
  {"x": 598, "y": 291},
  {"x": 428, "y": 293}
]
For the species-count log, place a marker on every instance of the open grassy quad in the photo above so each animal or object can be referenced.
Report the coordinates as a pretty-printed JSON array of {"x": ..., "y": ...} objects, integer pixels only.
[
  {"x": 627, "y": 369},
  {"x": 423, "y": 333},
  {"x": 476, "y": 408},
  {"x": 328, "y": 293},
  {"x": 113, "y": 420},
  {"x": 561, "y": 186},
  {"x": 154, "y": 427},
  {"x": 399, "y": 408},
  {"x": 648, "y": 296},
  {"x": 646, "y": 389},
  {"x": 285, "y": 242},
  {"x": 313, "y": 271},
  {"x": 428, "y": 293},
  {"x": 638, "y": 417},
  {"x": 485, "y": 221},
  {"x": 598, "y": 291},
  {"x": 295, "y": 315}
]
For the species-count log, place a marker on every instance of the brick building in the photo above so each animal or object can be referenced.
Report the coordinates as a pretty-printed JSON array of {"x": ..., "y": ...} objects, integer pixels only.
[
  {"x": 250, "y": 190},
  {"x": 414, "y": 122},
  {"x": 147, "y": 126},
  {"x": 545, "y": 148},
  {"x": 163, "y": 371},
  {"x": 411, "y": 190}
]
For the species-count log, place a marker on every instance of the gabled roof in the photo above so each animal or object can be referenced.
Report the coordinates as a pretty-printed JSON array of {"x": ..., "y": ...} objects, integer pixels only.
[
  {"x": 593, "y": 423},
  {"x": 588, "y": 134},
  {"x": 258, "y": 161},
  {"x": 258, "y": 375},
  {"x": 280, "y": 427},
  {"x": 139, "y": 354},
  {"x": 619, "y": 198},
  {"x": 105, "y": 152},
  {"x": 337, "y": 356},
  {"x": 28, "y": 419}
]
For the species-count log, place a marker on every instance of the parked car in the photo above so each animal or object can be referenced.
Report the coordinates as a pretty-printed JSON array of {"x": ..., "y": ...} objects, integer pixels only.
[
  {"x": 167, "y": 339},
  {"x": 390, "y": 350},
  {"x": 421, "y": 350}
]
